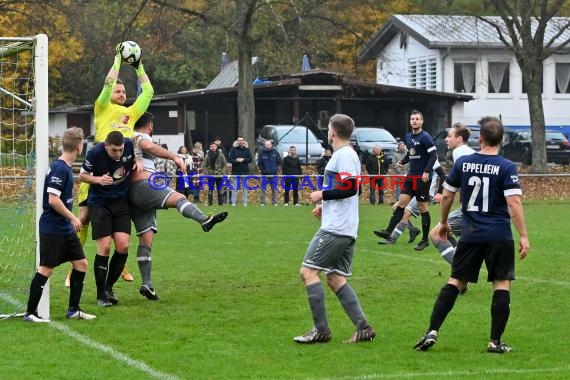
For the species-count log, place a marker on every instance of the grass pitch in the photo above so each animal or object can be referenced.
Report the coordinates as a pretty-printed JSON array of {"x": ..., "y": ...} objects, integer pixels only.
[{"x": 231, "y": 301}]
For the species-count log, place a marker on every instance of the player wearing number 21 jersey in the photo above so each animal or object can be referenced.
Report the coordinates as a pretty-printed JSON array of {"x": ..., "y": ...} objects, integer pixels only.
[
  {"x": 490, "y": 200},
  {"x": 481, "y": 178}
]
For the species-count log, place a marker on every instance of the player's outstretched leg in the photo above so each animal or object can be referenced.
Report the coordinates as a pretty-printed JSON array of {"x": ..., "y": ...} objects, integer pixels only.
[
  {"x": 213, "y": 220},
  {"x": 189, "y": 210}
]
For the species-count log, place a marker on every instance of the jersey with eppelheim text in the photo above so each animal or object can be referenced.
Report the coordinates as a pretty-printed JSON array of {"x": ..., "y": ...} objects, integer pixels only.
[
  {"x": 340, "y": 216},
  {"x": 98, "y": 163},
  {"x": 419, "y": 148},
  {"x": 59, "y": 181},
  {"x": 485, "y": 182}
]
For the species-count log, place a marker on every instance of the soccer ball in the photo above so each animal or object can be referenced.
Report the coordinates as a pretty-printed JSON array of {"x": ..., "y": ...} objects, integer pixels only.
[{"x": 130, "y": 52}]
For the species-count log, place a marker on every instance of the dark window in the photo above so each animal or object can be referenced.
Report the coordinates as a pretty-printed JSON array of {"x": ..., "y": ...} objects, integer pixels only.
[{"x": 464, "y": 77}]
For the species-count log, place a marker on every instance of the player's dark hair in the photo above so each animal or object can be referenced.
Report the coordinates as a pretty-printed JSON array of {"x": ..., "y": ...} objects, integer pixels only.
[
  {"x": 416, "y": 112},
  {"x": 119, "y": 81},
  {"x": 115, "y": 138},
  {"x": 342, "y": 124},
  {"x": 492, "y": 130},
  {"x": 143, "y": 121},
  {"x": 462, "y": 131},
  {"x": 71, "y": 138}
]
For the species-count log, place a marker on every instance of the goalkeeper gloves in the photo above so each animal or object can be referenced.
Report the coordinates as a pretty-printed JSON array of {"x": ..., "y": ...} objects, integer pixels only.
[
  {"x": 137, "y": 65},
  {"x": 118, "y": 59}
]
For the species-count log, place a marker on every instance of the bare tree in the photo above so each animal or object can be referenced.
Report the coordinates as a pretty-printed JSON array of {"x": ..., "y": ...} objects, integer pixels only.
[
  {"x": 243, "y": 24},
  {"x": 524, "y": 31}
]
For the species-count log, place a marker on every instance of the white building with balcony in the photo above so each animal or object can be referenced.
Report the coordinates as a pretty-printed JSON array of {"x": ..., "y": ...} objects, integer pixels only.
[{"x": 463, "y": 54}]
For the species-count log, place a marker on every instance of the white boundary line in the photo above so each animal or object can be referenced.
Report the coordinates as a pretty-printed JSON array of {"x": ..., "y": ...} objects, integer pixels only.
[
  {"x": 115, "y": 355},
  {"x": 454, "y": 374}
]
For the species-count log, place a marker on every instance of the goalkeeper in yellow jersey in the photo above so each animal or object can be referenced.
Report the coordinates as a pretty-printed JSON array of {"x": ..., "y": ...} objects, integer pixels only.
[{"x": 111, "y": 114}]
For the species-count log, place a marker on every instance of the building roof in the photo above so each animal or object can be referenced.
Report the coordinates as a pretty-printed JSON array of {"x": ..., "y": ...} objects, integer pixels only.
[
  {"x": 307, "y": 83},
  {"x": 318, "y": 80},
  {"x": 441, "y": 31},
  {"x": 228, "y": 77}
]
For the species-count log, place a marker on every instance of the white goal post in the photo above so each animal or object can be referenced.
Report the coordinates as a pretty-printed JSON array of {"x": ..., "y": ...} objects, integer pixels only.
[{"x": 24, "y": 160}]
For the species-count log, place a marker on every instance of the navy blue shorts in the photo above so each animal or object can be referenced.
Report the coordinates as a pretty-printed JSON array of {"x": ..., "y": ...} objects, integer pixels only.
[
  {"x": 499, "y": 258},
  {"x": 110, "y": 218},
  {"x": 415, "y": 187},
  {"x": 58, "y": 249}
]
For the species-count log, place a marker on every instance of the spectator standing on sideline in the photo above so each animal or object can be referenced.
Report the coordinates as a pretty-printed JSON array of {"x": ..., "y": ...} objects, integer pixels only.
[
  {"x": 400, "y": 170},
  {"x": 490, "y": 200},
  {"x": 377, "y": 168},
  {"x": 323, "y": 161},
  {"x": 215, "y": 165},
  {"x": 422, "y": 157},
  {"x": 198, "y": 169},
  {"x": 332, "y": 248},
  {"x": 268, "y": 161},
  {"x": 108, "y": 168},
  {"x": 291, "y": 167},
  {"x": 58, "y": 228},
  {"x": 240, "y": 158},
  {"x": 321, "y": 164},
  {"x": 226, "y": 192},
  {"x": 221, "y": 147},
  {"x": 180, "y": 176}
]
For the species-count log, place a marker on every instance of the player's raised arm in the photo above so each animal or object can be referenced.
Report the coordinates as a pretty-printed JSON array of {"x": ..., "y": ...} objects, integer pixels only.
[
  {"x": 105, "y": 95},
  {"x": 158, "y": 151},
  {"x": 143, "y": 100}
]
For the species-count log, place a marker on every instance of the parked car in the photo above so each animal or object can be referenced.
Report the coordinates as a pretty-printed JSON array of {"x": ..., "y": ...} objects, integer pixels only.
[
  {"x": 517, "y": 147},
  {"x": 443, "y": 153},
  {"x": 363, "y": 140},
  {"x": 284, "y": 136}
]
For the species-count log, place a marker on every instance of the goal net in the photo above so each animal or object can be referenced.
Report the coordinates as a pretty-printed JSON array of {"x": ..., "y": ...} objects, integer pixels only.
[{"x": 23, "y": 164}]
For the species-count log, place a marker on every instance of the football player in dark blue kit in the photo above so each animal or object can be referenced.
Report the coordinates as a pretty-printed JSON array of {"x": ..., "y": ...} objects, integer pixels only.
[
  {"x": 58, "y": 228},
  {"x": 490, "y": 199},
  {"x": 421, "y": 156},
  {"x": 107, "y": 168}
]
